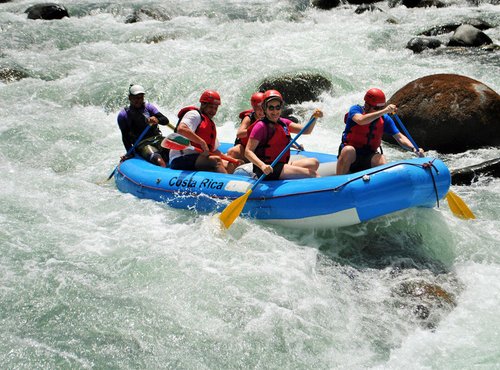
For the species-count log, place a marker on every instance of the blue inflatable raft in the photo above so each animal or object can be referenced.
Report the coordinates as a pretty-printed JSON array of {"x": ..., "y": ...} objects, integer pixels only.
[{"x": 325, "y": 202}]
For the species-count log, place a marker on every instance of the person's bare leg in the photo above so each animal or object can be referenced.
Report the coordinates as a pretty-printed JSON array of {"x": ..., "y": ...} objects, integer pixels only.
[
  {"x": 296, "y": 172},
  {"x": 346, "y": 158},
  {"x": 309, "y": 163},
  {"x": 378, "y": 160}
]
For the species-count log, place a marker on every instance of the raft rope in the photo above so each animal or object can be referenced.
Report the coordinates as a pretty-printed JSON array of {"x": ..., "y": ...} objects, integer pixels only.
[{"x": 426, "y": 166}]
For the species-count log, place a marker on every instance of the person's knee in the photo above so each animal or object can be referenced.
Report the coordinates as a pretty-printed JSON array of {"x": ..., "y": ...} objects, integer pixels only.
[
  {"x": 231, "y": 167},
  {"x": 234, "y": 151},
  {"x": 237, "y": 152},
  {"x": 348, "y": 152},
  {"x": 219, "y": 165},
  {"x": 157, "y": 159},
  {"x": 312, "y": 173},
  {"x": 315, "y": 163}
]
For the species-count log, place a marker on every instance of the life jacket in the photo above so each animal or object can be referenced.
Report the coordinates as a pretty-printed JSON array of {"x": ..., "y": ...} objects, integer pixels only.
[
  {"x": 206, "y": 129},
  {"x": 136, "y": 119},
  {"x": 367, "y": 137},
  {"x": 246, "y": 113},
  {"x": 269, "y": 149}
]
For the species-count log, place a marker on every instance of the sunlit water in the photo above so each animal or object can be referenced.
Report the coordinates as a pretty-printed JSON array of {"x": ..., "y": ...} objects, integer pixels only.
[{"x": 93, "y": 278}]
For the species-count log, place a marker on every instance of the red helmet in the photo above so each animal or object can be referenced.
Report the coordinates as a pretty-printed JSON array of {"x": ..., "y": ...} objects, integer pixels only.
[
  {"x": 375, "y": 97},
  {"x": 210, "y": 96},
  {"x": 257, "y": 99},
  {"x": 272, "y": 94}
]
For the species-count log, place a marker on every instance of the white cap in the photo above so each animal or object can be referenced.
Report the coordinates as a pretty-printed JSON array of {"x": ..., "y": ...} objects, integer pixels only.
[{"x": 136, "y": 90}]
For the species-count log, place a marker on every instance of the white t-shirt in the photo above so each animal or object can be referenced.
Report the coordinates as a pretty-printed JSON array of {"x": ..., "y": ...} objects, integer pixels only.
[{"x": 192, "y": 119}]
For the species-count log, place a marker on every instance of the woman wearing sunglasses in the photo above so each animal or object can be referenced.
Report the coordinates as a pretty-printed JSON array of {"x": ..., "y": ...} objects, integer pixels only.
[
  {"x": 362, "y": 136},
  {"x": 269, "y": 136}
]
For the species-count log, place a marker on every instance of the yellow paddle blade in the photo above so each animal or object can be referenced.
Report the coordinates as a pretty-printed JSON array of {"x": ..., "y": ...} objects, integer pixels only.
[
  {"x": 458, "y": 206},
  {"x": 234, "y": 209}
]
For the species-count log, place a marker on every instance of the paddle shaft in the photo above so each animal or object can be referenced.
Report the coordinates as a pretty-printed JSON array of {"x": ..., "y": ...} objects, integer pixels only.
[
  {"x": 276, "y": 160},
  {"x": 131, "y": 149},
  {"x": 405, "y": 131}
]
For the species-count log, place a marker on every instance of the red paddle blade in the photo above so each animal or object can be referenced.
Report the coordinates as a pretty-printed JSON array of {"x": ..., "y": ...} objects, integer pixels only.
[
  {"x": 176, "y": 142},
  {"x": 166, "y": 143}
]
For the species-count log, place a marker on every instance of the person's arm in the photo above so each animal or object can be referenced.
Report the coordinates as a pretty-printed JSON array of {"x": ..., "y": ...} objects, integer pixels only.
[
  {"x": 162, "y": 120},
  {"x": 366, "y": 119},
  {"x": 184, "y": 130},
  {"x": 406, "y": 144},
  {"x": 242, "y": 130},
  {"x": 252, "y": 157},
  {"x": 295, "y": 127},
  {"x": 125, "y": 130},
  {"x": 156, "y": 117},
  {"x": 403, "y": 141}
]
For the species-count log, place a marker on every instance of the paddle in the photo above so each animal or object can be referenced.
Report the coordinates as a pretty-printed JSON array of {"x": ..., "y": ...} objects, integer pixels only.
[
  {"x": 131, "y": 149},
  {"x": 233, "y": 210},
  {"x": 298, "y": 147},
  {"x": 178, "y": 142},
  {"x": 456, "y": 204}
]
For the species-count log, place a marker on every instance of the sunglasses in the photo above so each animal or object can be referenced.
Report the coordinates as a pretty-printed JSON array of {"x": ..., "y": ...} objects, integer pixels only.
[{"x": 274, "y": 107}]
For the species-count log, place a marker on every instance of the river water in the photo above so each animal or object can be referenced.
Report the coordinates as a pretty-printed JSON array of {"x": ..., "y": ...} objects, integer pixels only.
[{"x": 94, "y": 278}]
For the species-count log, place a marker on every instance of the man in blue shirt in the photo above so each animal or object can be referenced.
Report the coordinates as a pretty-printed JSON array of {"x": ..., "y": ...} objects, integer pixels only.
[{"x": 362, "y": 136}]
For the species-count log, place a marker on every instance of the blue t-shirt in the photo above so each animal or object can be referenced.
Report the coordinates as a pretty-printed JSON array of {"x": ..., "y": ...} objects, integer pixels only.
[{"x": 389, "y": 125}]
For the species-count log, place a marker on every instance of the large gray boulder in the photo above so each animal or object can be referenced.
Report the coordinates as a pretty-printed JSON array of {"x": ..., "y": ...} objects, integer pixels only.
[{"x": 449, "y": 113}]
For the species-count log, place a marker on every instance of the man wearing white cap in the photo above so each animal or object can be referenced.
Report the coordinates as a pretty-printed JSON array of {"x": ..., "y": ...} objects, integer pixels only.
[{"x": 133, "y": 122}]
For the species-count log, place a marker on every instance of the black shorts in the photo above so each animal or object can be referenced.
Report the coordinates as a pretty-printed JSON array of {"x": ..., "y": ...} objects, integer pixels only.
[
  {"x": 185, "y": 162},
  {"x": 363, "y": 160},
  {"x": 275, "y": 175}
]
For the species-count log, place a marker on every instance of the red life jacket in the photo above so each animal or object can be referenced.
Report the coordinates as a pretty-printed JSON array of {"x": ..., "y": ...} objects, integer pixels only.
[
  {"x": 206, "y": 129},
  {"x": 246, "y": 113},
  {"x": 365, "y": 136},
  {"x": 269, "y": 149}
]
